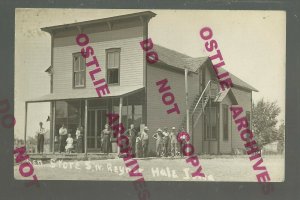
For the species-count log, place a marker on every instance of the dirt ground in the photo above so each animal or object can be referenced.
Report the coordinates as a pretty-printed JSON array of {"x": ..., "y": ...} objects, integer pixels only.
[{"x": 217, "y": 168}]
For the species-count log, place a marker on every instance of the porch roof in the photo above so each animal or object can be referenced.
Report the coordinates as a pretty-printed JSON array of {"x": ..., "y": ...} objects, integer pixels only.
[{"x": 114, "y": 92}]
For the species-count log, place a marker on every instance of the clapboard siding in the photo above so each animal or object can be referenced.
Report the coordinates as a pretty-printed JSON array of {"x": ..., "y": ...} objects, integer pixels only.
[
  {"x": 244, "y": 99},
  {"x": 157, "y": 117},
  {"x": 131, "y": 59}
]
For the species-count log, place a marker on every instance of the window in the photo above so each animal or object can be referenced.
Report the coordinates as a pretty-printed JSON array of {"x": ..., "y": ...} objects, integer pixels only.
[
  {"x": 78, "y": 71},
  {"x": 225, "y": 122},
  {"x": 113, "y": 66}
]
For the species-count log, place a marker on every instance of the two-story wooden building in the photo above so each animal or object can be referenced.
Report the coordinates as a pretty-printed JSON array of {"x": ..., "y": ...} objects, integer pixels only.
[{"x": 132, "y": 84}]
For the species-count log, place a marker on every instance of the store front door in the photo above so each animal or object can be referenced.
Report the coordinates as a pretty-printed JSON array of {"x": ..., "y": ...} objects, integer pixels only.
[{"x": 96, "y": 121}]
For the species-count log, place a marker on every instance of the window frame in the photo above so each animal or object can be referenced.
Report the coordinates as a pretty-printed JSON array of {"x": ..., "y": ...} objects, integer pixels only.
[
  {"x": 113, "y": 50},
  {"x": 225, "y": 108},
  {"x": 73, "y": 71},
  {"x": 208, "y": 135}
]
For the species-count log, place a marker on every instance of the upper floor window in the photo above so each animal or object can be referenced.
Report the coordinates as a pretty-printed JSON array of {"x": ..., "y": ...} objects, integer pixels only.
[
  {"x": 113, "y": 66},
  {"x": 78, "y": 71}
]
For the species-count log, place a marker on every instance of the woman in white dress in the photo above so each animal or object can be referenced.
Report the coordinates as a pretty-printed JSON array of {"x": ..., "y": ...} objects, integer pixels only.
[{"x": 69, "y": 145}]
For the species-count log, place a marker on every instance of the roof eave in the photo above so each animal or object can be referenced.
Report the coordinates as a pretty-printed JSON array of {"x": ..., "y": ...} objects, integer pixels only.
[{"x": 50, "y": 29}]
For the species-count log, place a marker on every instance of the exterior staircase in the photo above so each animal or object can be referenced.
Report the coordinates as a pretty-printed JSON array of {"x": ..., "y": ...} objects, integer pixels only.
[{"x": 197, "y": 108}]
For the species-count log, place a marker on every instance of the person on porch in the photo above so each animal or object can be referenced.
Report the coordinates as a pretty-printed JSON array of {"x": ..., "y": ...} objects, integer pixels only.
[
  {"x": 131, "y": 133},
  {"x": 106, "y": 139},
  {"x": 40, "y": 138},
  {"x": 145, "y": 141},
  {"x": 158, "y": 137},
  {"x": 166, "y": 142},
  {"x": 69, "y": 147},
  {"x": 138, "y": 146},
  {"x": 183, "y": 141},
  {"x": 62, "y": 138},
  {"x": 79, "y": 139},
  {"x": 173, "y": 140}
]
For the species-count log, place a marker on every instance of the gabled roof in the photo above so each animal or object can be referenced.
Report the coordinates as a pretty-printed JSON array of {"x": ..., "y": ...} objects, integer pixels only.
[
  {"x": 181, "y": 61},
  {"x": 237, "y": 81},
  {"x": 178, "y": 60}
]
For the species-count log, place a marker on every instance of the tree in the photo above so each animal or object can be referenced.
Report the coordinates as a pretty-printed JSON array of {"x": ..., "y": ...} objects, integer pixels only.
[
  {"x": 280, "y": 137},
  {"x": 264, "y": 120}
]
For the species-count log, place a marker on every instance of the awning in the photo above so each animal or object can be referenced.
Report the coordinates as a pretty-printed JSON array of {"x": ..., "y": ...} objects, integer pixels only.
[
  {"x": 115, "y": 91},
  {"x": 221, "y": 95},
  {"x": 227, "y": 92}
]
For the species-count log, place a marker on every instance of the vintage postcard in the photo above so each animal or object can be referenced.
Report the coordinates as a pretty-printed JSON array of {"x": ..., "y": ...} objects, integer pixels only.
[{"x": 149, "y": 95}]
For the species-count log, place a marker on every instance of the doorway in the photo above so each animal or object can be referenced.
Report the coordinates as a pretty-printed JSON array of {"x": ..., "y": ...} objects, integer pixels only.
[{"x": 96, "y": 122}]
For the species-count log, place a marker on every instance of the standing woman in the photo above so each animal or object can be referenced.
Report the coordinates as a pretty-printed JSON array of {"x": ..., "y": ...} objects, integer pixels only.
[
  {"x": 106, "y": 135},
  {"x": 138, "y": 146},
  {"x": 79, "y": 138}
]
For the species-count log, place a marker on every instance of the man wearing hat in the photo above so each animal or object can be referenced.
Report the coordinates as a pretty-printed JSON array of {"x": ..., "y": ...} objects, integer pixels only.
[
  {"x": 166, "y": 141},
  {"x": 173, "y": 140},
  {"x": 158, "y": 137},
  {"x": 145, "y": 141}
]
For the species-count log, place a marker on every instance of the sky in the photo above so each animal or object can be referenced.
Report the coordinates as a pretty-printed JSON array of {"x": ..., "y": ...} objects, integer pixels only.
[{"x": 253, "y": 45}]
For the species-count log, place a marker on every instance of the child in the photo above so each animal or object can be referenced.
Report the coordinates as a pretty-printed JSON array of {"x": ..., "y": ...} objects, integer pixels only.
[
  {"x": 138, "y": 145},
  {"x": 69, "y": 145},
  {"x": 77, "y": 133}
]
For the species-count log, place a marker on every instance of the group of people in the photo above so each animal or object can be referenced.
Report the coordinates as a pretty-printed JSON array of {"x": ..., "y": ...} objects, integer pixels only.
[
  {"x": 166, "y": 141},
  {"x": 138, "y": 141},
  {"x": 66, "y": 142}
]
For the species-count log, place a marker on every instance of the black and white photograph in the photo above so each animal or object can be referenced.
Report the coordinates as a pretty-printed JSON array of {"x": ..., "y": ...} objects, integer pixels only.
[{"x": 155, "y": 94}]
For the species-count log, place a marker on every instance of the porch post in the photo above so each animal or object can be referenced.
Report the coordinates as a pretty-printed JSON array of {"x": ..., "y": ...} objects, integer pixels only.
[
  {"x": 25, "y": 127},
  {"x": 120, "y": 120},
  {"x": 85, "y": 125},
  {"x": 53, "y": 124},
  {"x": 187, "y": 102}
]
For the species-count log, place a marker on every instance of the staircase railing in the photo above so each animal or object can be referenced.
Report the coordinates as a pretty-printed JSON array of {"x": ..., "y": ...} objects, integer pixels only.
[
  {"x": 204, "y": 100},
  {"x": 201, "y": 96}
]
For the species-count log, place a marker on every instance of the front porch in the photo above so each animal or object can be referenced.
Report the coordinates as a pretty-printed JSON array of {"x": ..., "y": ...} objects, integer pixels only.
[{"x": 90, "y": 114}]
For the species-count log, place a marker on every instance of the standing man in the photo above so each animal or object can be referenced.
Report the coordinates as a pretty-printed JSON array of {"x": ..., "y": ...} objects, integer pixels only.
[
  {"x": 131, "y": 133},
  {"x": 158, "y": 137},
  {"x": 145, "y": 141},
  {"x": 166, "y": 141},
  {"x": 40, "y": 138},
  {"x": 173, "y": 138},
  {"x": 62, "y": 138}
]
